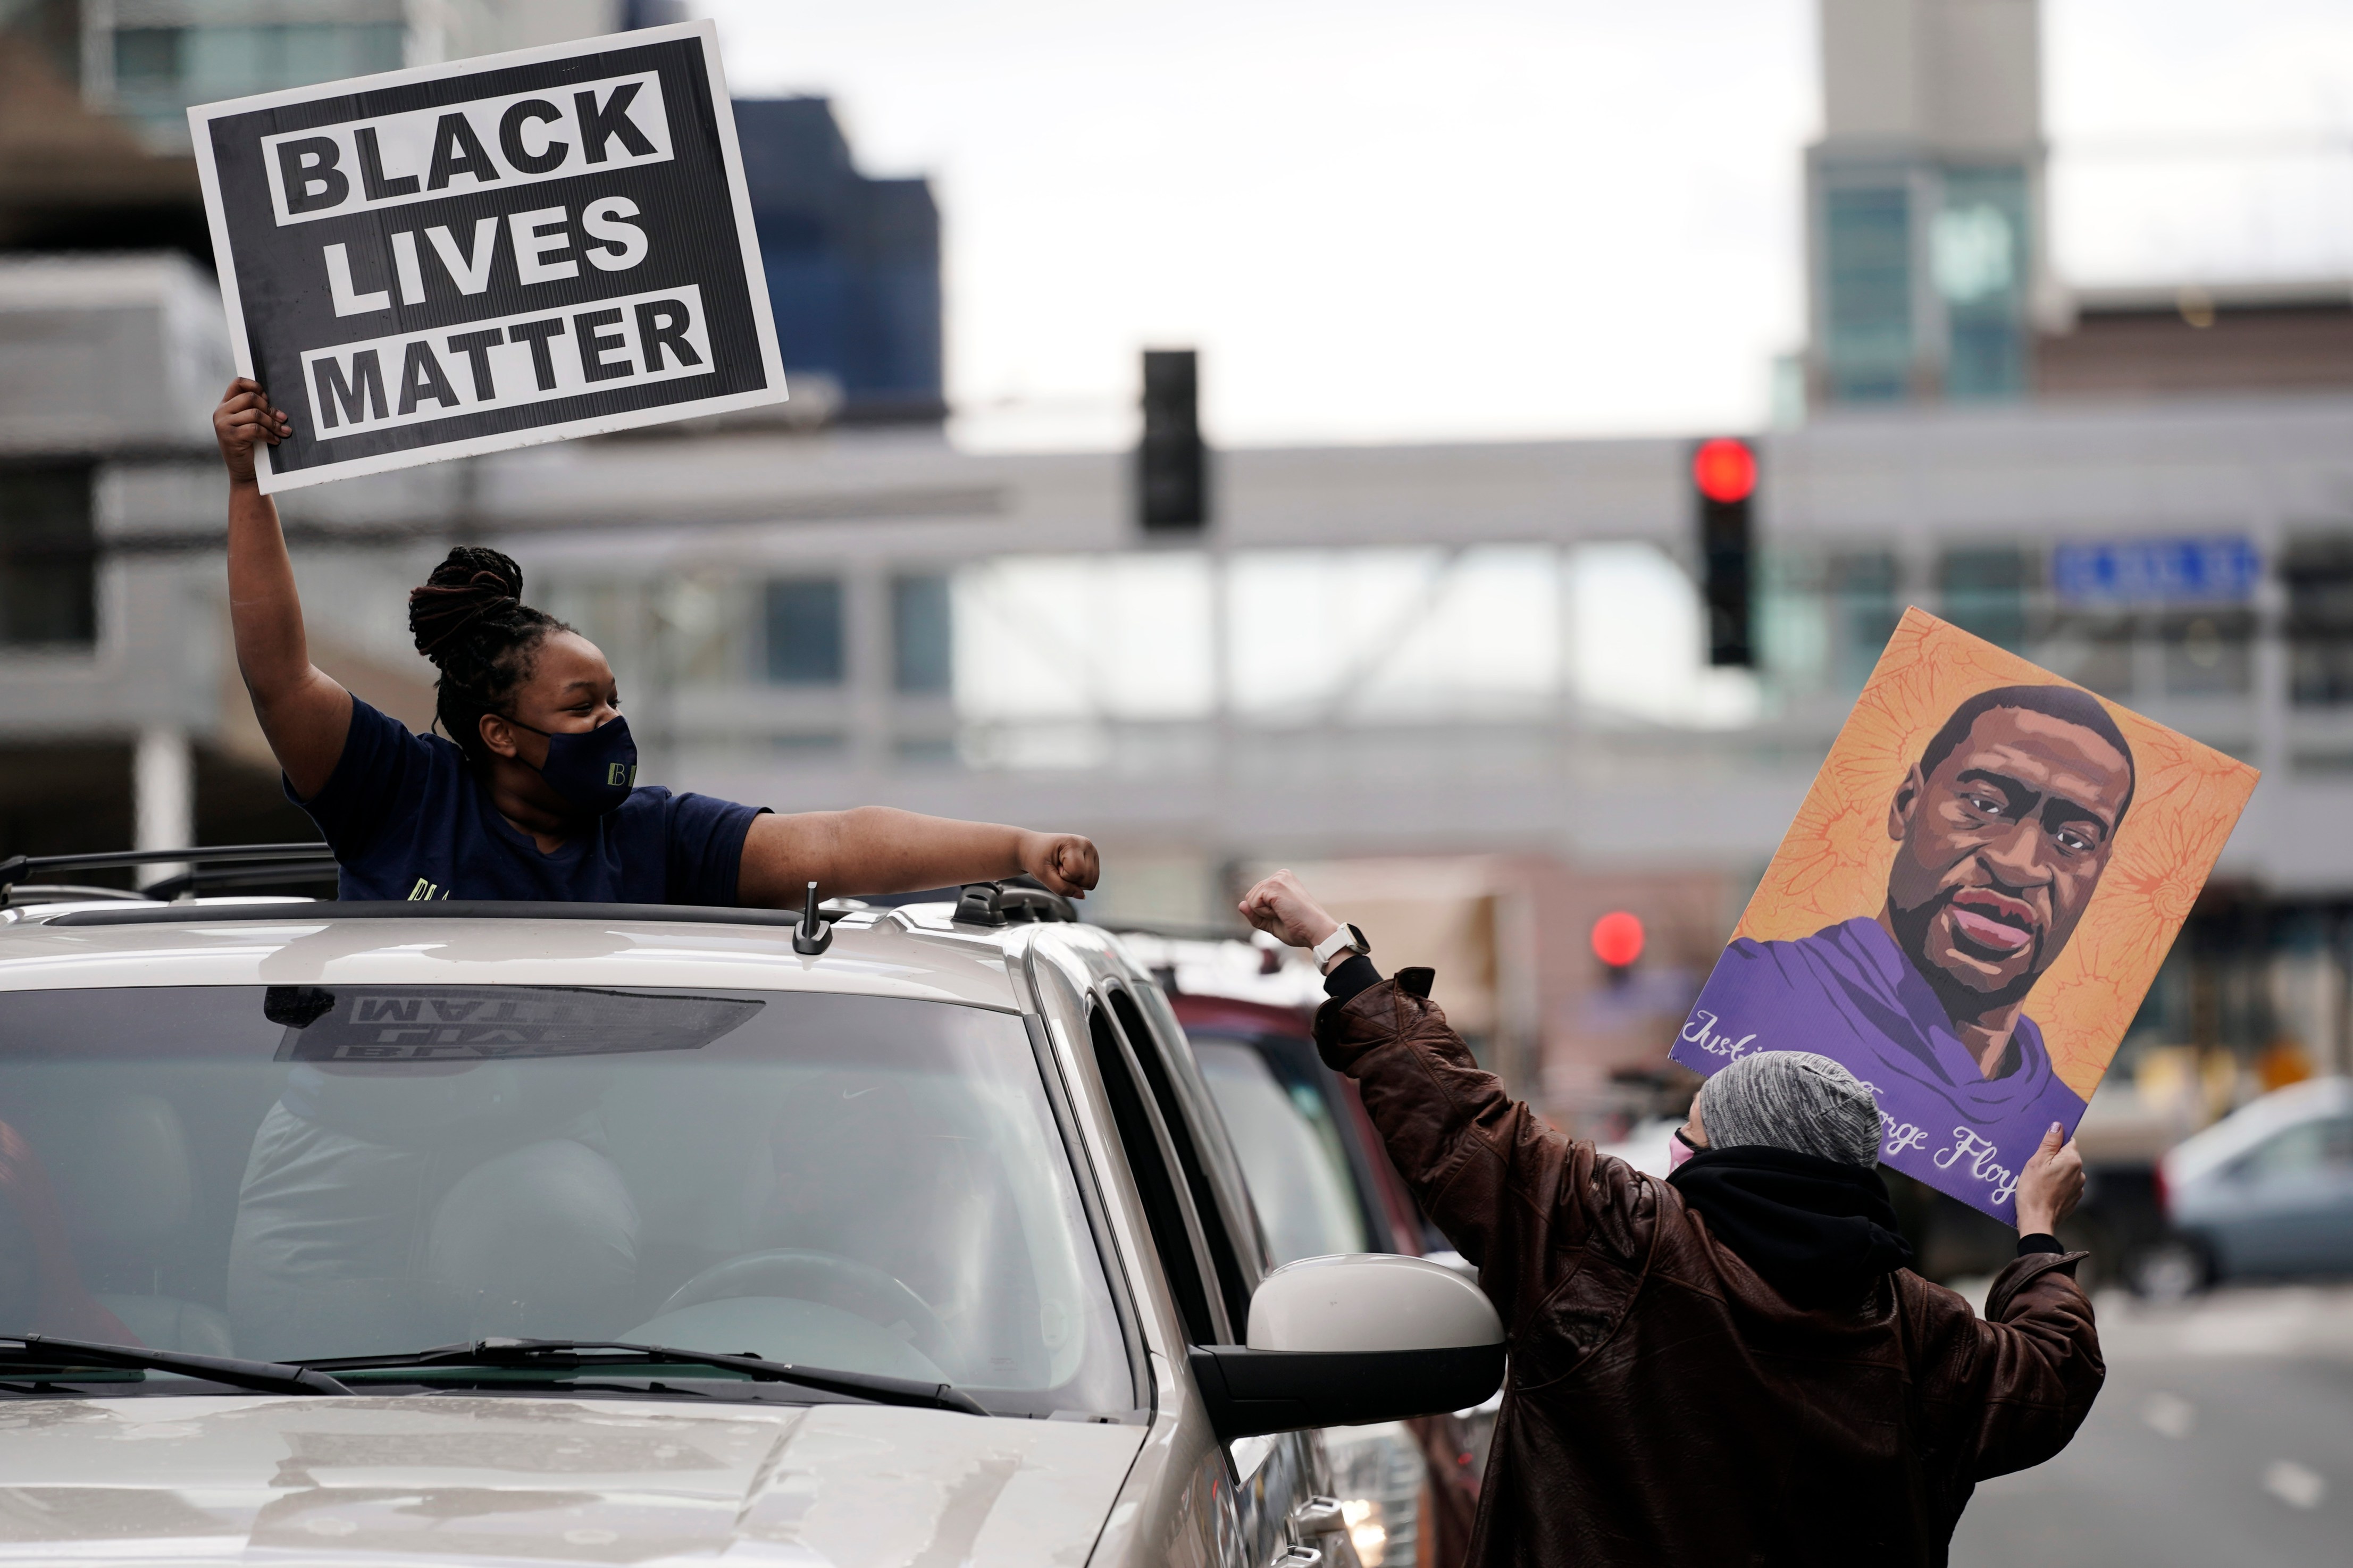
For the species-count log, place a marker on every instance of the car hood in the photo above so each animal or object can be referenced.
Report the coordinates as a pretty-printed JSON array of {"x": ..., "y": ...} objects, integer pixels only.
[{"x": 529, "y": 1480}]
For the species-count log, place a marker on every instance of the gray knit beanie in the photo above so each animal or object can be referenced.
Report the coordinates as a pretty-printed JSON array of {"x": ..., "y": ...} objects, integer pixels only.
[{"x": 1796, "y": 1101}]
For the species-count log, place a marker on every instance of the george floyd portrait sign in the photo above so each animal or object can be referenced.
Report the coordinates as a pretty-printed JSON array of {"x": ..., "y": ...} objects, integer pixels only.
[
  {"x": 465, "y": 257},
  {"x": 1973, "y": 899}
]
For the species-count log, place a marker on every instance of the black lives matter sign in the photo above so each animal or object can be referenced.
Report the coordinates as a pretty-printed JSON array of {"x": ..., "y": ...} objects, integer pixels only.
[{"x": 461, "y": 258}]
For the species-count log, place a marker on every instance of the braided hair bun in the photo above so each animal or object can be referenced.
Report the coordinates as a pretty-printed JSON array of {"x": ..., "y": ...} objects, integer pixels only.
[
  {"x": 470, "y": 619},
  {"x": 472, "y": 582}
]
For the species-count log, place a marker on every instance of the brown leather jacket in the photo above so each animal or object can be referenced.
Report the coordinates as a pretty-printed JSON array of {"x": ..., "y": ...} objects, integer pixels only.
[{"x": 1663, "y": 1406}]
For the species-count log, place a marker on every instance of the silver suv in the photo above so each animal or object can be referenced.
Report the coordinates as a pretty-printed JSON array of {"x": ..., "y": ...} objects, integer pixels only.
[{"x": 612, "y": 1234}]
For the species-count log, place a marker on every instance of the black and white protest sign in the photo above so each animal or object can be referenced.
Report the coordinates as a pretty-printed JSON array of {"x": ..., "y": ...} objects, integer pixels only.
[{"x": 465, "y": 257}]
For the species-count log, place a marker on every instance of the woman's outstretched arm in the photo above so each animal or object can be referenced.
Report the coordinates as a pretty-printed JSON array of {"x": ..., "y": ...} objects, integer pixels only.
[
  {"x": 877, "y": 849},
  {"x": 303, "y": 713}
]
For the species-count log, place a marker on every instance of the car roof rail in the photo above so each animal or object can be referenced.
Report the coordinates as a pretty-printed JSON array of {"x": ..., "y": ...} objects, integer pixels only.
[
  {"x": 1181, "y": 931},
  {"x": 1016, "y": 900},
  {"x": 419, "y": 910},
  {"x": 209, "y": 866}
]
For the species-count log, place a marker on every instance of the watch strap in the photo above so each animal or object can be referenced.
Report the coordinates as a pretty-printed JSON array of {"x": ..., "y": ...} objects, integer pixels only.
[{"x": 1346, "y": 938}]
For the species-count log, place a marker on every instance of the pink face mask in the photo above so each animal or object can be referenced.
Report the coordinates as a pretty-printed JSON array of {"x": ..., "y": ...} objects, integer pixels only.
[{"x": 1679, "y": 1149}]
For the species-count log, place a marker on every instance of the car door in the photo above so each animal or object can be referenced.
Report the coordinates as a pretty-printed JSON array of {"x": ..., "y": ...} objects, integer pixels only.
[
  {"x": 1315, "y": 1195},
  {"x": 1275, "y": 1480},
  {"x": 2290, "y": 1203},
  {"x": 1177, "y": 1509},
  {"x": 1187, "y": 1517}
]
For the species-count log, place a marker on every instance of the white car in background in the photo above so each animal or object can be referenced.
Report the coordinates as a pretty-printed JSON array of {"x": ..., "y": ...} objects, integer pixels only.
[
  {"x": 2265, "y": 1192},
  {"x": 343, "y": 1233}
]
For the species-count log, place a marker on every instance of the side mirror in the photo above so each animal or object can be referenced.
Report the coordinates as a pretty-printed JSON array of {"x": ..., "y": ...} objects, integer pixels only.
[{"x": 1338, "y": 1342}]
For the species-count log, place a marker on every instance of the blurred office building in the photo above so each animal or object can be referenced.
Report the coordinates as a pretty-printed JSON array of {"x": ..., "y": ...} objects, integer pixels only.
[
  {"x": 853, "y": 269},
  {"x": 1929, "y": 275},
  {"x": 1468, "y": 688}
]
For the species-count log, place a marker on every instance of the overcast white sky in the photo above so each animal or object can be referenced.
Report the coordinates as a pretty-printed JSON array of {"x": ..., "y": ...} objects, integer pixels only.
[{"x": 1384, "y": 220}]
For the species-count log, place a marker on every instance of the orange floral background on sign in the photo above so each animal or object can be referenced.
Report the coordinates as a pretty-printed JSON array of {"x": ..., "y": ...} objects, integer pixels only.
[{"x": 1832, "y": 866}]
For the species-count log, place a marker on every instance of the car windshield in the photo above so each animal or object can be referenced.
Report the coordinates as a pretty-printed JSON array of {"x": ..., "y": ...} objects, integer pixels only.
[
  {"x": 869, "y": 1183},
  {"x": 1291, "y": 1153}
]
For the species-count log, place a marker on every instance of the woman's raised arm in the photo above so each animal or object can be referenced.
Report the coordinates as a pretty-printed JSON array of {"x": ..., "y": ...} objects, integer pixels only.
[
  {"x": 877, "y": 849},
  {"x": 303, "y": 713}
]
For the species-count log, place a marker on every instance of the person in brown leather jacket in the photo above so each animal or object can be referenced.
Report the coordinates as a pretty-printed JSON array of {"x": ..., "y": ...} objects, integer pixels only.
[{"x": 1730, "y": 1367}]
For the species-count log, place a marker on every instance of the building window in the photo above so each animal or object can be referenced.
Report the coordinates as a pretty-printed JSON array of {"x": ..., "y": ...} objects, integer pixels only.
[
  {"x": 1864, "y": 610},
  {"x": 160, "y": 72},
  {"x": 1979, "y": 247},
  {"x": 1986, "y": 360},
  {"x": 2318, "y": 575},
  {"x": 1985, "y": 592},
  {"x": 803, "y": 626},
  {"x": 923, "y": 650},
  {"x": 49, "y": 557},
  {"x": 146, "y": 58},
  {"x": 2092, "y": 647},
  {"x": 1867, "y": 291},
  {"x": 1827, "y": 616},
  {"x": 2209, "y": 653}
]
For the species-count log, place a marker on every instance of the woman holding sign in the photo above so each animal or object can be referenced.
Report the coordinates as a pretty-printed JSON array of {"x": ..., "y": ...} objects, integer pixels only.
[
  {"x": 534, "y": 794},
  {"x": 1735, "y": 1364}
]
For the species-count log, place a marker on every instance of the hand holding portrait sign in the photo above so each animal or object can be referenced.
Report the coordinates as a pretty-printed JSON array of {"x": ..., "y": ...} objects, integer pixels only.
[
  {"x": 464, "y": 258},
  {"x": 1974, "y": 897}
]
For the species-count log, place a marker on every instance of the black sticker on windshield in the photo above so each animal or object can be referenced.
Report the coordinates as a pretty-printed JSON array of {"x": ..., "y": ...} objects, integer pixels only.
[{"x": 488, "y": 1023}]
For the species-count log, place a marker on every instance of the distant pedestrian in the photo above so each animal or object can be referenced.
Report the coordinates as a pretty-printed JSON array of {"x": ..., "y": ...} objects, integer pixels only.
[{"x": 1733, "y": 1365}]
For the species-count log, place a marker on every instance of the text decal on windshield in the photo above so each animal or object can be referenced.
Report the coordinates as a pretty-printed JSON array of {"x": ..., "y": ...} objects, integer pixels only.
[{"x": 462, "y": 1023}]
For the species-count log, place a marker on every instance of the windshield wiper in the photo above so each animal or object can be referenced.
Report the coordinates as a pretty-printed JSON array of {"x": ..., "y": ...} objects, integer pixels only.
[
  {"x": 561, "y": 1354},
  {"x": 40, "y": 1351}
]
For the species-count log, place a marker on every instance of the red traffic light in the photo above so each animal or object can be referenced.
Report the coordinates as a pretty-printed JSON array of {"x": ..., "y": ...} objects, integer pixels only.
[
  {"x": 1618, "y": 939},
  {"x": 1724, "y": 469}
]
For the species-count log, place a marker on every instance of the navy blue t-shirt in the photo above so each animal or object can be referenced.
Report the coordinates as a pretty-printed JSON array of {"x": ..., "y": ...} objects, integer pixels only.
[{"x": 407, "y": 819}]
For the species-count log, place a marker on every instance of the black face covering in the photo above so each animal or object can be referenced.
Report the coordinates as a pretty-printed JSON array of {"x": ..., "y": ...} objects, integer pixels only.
[
  {"x": 592, "y": 769},
  {"x": 1821, "y": 1232}
]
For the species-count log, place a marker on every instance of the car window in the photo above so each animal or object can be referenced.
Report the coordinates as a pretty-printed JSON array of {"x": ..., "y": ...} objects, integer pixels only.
[
  {"x": 1224, "y": 1167},
  {"x": 1222, "y": 1226},
  {"x": 870, "y": 1184},
  {"x": 2302, "y": 1150},
  {"x": 1290, "y": 1149},
  {"x": 1166, "y": 1207}
]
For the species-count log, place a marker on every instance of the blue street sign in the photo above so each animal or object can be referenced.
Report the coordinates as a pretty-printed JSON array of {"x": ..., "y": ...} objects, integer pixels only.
[{"x": 2217, "y": 569}]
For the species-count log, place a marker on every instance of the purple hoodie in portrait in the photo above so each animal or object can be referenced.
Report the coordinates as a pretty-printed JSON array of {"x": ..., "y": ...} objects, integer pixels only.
[{"x": 1849, "y": 992}]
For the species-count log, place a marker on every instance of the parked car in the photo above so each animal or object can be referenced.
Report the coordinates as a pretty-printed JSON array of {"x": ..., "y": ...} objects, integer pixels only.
[
  {"x": 2265, "y": 1192},
  {"x": 477, "y": 1232},
  {"x": 1322, "y": 1183}
]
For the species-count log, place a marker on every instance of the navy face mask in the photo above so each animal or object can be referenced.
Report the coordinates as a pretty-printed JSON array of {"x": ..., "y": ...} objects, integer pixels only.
[{"x": 593, "y": 770}]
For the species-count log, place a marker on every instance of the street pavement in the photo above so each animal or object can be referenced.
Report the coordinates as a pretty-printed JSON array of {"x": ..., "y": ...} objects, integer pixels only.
[{"x": 2224, "y": 1436}]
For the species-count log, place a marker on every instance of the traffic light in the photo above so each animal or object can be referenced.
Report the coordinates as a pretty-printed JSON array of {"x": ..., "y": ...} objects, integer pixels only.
[
  {"x": 1172, "y": 466},
  {"x": 1618, "y": 939},
  {"x": 1724, "y": 480}
]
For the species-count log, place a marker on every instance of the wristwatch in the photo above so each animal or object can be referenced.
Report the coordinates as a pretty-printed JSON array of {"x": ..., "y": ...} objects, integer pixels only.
[{"x": 1346, "y": 939}]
